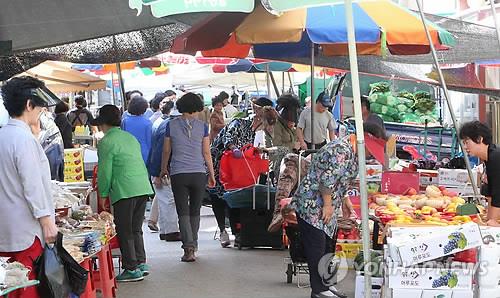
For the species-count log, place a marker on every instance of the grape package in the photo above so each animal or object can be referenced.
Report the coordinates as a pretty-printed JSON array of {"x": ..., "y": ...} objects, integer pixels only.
[
  {"x": 456, "y": 240},
  {"x": 443, "y": 280}
]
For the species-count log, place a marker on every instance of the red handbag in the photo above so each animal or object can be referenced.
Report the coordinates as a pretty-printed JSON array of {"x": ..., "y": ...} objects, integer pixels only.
[{"x": 236, "y": 173}]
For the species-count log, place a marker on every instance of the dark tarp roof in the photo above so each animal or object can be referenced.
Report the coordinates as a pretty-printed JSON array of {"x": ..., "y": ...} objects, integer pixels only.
[
  {"x": 35, "y": 24},
  {"x": 82, "y": 31}
]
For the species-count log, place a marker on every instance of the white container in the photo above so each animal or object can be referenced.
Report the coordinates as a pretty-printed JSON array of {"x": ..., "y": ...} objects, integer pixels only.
[
  {"x": 377, "y": 284},
  {"x": 489, "y": 271},
  {"x": 463, "y": 294},
  {"x": 488, "y": 293},
  {"x": 424, "y": 277},
  {"x": 437, "y": 294},
  {"x": 409, "y": 251},
  {"x": 407, "y": 293},
  {"x": 456, "y": 177}
]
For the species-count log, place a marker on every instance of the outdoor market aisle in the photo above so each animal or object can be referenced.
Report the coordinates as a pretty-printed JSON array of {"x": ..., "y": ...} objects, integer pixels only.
[{"x": 217, "y": 273}]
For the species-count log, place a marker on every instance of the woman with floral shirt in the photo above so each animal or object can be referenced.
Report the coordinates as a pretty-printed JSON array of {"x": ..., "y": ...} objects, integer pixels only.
[{"x": 318, "y": 198}]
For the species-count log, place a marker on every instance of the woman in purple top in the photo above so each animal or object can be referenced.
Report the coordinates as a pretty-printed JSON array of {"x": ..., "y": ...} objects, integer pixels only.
[
  {"x": 140, "y": 127},
  {"x": 187, "y": 149}
]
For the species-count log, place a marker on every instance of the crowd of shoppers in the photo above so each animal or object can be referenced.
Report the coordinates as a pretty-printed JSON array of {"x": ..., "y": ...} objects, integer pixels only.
[{"x": 170, "y": 150}]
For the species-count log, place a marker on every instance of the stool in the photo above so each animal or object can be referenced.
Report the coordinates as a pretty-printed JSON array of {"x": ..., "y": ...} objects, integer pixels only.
[
  {"x": 104, "y": 274},
  {"x": 90, "y": 291}
]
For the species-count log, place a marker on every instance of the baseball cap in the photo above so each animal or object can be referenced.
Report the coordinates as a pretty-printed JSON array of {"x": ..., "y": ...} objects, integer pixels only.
[
  {"x": 107, "y": 114},
  {"x": 325, "y": 100}
]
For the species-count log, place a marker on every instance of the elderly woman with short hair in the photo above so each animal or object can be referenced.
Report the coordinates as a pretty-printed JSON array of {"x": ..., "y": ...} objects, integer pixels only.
[{"x": 140, "y": 127}]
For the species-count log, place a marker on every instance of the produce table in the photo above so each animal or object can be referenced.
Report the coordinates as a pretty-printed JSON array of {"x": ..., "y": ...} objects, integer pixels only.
[{"x": 31, "y": 283}]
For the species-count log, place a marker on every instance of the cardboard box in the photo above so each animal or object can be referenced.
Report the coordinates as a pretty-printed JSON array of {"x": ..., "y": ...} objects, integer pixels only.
[
  {"x": 437, "y": 294},
  {"x": 428, "y": 177},
  {"x": 428, "y": 278},
  {"x": 348, "y": 250},
  {"x": 456, "y": 177},
  {"x": 420, "y": 248},
  {"x": 373, "y": 172},
  {"x": 464, "y": 294},
  {"x": 490, "y": 234},
  {"x": 73, "y": 165},
  {"x": 377, "y": 284},
  {"x": 406, "y": 293}
]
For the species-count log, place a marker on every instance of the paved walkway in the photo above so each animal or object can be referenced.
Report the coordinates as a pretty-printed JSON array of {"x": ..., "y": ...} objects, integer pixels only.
[{"x": 217, "y": 273}]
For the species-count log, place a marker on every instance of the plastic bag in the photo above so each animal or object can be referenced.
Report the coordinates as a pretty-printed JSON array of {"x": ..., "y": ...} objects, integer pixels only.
[
  {"x": 77, "y": 275},
  {"x": 54, "y": 282}
]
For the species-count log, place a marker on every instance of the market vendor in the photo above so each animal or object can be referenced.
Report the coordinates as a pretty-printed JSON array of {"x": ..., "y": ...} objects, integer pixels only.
[
  {"x": 27, "y": 213},
  {"x": 477, "y": 139},
  {"x": 123, "y": 177},
  {"x": 320, "y": 194},
  {"x": 368, "y": 116}
]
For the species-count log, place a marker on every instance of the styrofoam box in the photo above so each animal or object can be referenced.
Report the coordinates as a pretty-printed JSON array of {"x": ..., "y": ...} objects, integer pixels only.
[
  {"x": 422, "y": 248},
  {"x": 423, "y": 277},
  {"x": 377, "y": 283},
  {"x": 455, "y": 177}
]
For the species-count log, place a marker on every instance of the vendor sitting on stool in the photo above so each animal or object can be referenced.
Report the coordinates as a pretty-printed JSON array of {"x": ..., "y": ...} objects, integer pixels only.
[{"x": 478, "y": 142}]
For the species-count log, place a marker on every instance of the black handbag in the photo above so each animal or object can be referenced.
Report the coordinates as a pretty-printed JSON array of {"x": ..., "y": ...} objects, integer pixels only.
[
  {"x": 54, "y": 282},
  {"x": 77, "y": 275}
]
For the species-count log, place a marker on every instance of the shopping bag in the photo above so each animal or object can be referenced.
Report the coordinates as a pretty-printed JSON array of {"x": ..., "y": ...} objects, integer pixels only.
[
  {"x": 77, "y": 275},
  {"x": 236, "y": 173},
  {"x": 54, "y": 282}
]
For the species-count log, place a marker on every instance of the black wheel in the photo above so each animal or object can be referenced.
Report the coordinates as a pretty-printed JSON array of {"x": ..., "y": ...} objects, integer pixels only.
[{"x": 289, "y": 273}]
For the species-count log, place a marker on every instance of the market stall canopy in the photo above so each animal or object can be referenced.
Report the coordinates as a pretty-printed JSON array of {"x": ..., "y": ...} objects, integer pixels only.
[{"x": 60, "y": 78}]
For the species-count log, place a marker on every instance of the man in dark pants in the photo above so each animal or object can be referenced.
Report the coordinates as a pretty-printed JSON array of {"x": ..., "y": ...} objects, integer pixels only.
[{"x": 123, "y": 177}]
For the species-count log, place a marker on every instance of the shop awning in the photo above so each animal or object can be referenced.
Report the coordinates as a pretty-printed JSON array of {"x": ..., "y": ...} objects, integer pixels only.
[{"x": 60, "y": 78}]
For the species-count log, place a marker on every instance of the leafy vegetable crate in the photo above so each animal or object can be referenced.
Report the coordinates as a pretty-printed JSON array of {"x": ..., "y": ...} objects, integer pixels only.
[{"x": 439, "y": 242}]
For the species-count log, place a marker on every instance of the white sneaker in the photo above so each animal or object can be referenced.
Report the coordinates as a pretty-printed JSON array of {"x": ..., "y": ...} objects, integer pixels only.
[{"x": 224, "y": 239}]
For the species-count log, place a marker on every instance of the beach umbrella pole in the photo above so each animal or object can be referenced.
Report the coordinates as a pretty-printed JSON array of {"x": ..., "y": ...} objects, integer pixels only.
[
  {"x": 312, "y": 97},
  {"x": 122, "y": 87},
  {"x": 256, "y": 84},
  {"x": 268, "y": 81},
  {"x": 446, "y": 95},
  {"x": 353, "y": 61},
  {"x": 291, "y": 82},
  {"x": 495, "y": 20},
  {"x": 275, "y": 85}
]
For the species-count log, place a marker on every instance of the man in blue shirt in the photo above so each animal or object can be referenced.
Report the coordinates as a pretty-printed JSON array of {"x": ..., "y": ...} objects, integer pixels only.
[{"x": 164, "y": 200}]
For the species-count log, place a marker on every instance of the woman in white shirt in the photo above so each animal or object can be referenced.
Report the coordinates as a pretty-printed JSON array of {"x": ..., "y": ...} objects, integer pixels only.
[{"x": 27, "y": 213}]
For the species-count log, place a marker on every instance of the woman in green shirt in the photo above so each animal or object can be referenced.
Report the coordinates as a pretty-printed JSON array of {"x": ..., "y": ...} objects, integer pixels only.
[{"x": 122, "y": 176}]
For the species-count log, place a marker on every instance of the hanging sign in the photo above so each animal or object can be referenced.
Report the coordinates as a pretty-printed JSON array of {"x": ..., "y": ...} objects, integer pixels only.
[
  {"x": 162, "y": 8},
  {"x": 286, "y": 5}
]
